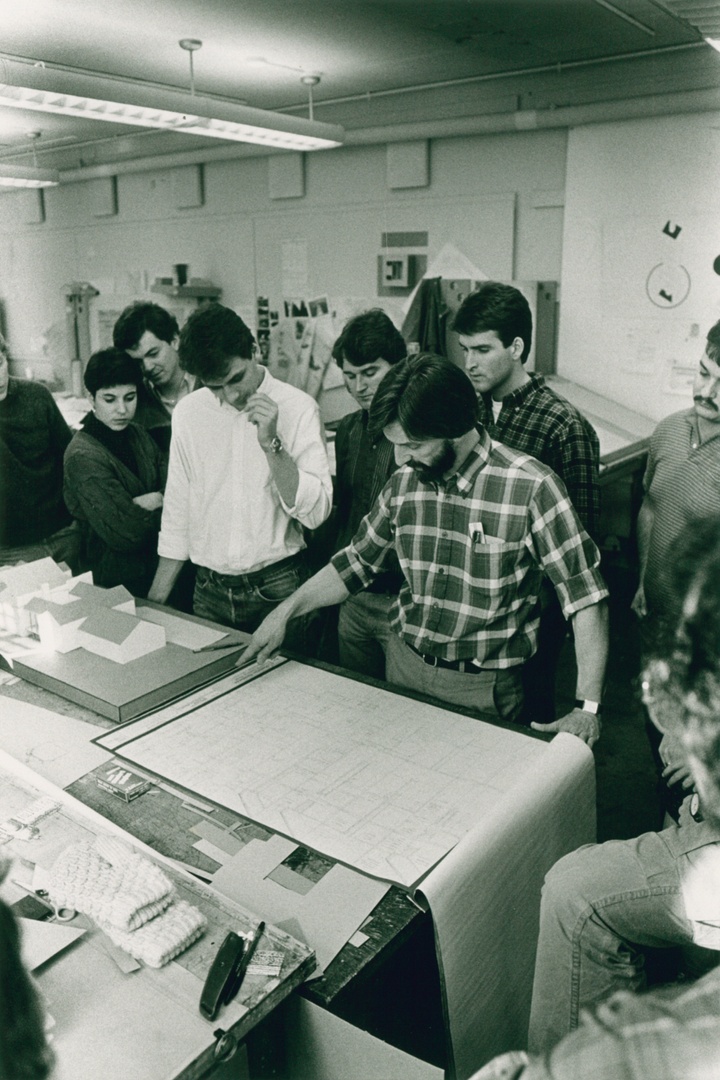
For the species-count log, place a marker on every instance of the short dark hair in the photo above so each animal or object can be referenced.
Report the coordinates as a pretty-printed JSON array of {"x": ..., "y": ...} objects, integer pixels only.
[
  {"x": 139, "y": 317},
  {"x": 713, "y": 343},
  {"x": 212, "y": 337},
  {"x": 428, "y": 395},
  {"x": 498, "y": 307},
  {"x": 111, "y": 367},
  {"x": 368, "y": 337}
]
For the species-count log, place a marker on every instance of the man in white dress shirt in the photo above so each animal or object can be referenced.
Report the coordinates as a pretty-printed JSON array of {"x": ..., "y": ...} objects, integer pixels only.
[{"x": 248, "y": 470}]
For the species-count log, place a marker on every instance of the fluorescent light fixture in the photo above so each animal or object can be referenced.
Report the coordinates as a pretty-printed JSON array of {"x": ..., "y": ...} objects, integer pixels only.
[
  {"x": 45, "y": 90},
  {"x": 23, "y": 176},
  {"x": 715, "y": 42}
]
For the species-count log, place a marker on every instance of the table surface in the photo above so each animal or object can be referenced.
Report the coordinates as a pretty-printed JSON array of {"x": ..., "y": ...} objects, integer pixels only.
[
  {"x": 94, "y": 1003},
  {"x": 377, "y": 985},
  {"x": 164, "y": 822}
]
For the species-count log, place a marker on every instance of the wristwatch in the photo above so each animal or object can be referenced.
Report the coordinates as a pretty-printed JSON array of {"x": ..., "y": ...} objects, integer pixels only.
[
  {"x": 593, "y": 707},
  {"x": 276, "y": 445},
  {"x": 695, "y": 812}
]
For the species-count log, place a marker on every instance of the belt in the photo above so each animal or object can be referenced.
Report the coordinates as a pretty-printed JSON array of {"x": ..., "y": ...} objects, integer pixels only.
[
  {"x": 469, "y": 667},
  {"x": 231, "y": 580}
]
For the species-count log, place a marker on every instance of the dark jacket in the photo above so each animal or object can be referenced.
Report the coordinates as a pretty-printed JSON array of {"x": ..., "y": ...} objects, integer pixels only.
[{"x": 119, "y": 538}]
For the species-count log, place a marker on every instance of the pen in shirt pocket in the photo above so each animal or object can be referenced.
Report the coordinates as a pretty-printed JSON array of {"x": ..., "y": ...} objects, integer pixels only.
[{"x": 477, "y": 533}]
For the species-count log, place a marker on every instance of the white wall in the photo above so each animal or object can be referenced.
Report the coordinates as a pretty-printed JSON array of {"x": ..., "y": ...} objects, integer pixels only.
[
  {"x": 482, "y": 195},
  {"x": 625, "y": 182}
]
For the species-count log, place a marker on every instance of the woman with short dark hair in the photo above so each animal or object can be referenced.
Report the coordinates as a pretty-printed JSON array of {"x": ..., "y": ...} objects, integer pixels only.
[{"x": 114, "y": 478}]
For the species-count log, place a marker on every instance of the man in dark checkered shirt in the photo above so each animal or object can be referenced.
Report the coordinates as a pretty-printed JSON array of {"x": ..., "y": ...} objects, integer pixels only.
[
  {"x": 476, "y": 527},
  {"x": 494, "y": 325}
]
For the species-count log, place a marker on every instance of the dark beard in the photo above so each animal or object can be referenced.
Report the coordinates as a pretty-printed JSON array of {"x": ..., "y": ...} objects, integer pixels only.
[{"x": 432, "y": 474}]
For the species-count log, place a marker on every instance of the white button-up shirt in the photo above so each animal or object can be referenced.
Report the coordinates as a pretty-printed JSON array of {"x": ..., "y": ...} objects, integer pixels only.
[{"x": 221, "y": 507}]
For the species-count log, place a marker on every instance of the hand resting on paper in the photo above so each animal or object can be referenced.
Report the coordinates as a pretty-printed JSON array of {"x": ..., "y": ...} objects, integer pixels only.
[{"x": 583, "y": 724}]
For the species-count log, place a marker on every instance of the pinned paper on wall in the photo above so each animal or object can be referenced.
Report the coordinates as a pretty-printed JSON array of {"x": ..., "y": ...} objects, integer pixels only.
[{"x": 294, "y": 267}]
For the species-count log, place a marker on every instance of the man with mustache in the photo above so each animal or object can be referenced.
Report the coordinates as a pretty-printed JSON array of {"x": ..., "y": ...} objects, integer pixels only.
[
  {"x": 475, "y": 526},
  {"x": 682, "y": 486}
]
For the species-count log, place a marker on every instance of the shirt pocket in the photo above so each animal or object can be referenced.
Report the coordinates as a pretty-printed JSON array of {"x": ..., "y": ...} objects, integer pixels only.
[{"x": 496, "y": 565}]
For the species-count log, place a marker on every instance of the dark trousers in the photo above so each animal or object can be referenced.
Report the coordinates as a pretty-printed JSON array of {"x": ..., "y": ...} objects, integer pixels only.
[{"x": 540, "y": 671}]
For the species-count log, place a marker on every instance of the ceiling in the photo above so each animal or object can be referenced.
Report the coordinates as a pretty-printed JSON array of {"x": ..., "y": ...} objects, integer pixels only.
[{"x": 380, "y": 62}]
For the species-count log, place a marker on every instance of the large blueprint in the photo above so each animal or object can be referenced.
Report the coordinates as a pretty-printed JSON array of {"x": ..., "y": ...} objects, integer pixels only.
[{"x": 384, "y": 783}]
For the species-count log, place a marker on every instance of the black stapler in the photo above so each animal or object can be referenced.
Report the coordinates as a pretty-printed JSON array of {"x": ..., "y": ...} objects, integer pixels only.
[
  {"x": 222, "y": 981},
  {"x": 228, "y": 970}
]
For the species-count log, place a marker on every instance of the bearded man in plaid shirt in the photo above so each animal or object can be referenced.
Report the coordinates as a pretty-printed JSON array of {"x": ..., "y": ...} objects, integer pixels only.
[{"x": 475, "y": 526}]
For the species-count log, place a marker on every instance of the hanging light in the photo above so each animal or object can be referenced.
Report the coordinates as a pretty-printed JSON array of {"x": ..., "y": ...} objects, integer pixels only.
[
  {"x": 23, "y": 176},
  {"x": 71, "y": 94}
]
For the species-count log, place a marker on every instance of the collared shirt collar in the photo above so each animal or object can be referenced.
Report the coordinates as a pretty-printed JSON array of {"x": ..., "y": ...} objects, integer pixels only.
[
  {"x": 694, "y": 429},
  {"x": 477, "y": 459},
  {"x": 516, "y": 397}
]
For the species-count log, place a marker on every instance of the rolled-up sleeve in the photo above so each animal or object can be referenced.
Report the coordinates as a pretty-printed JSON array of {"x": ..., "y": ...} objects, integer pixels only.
[
  {"x": 564, "y": 550},
  {"x": 174, "y": 542},
  {"x": 305, "y": 444},
  {"x": 366, "y": 555}
]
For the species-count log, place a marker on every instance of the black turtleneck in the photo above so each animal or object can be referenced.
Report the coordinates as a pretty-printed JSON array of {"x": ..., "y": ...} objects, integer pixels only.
[{"x": 117, "y": 442}]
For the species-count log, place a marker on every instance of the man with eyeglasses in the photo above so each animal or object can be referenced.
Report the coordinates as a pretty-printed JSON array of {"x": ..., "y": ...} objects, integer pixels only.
[
  {"x": 248, "y": 471},
  {"x": 608, "y": 910}
]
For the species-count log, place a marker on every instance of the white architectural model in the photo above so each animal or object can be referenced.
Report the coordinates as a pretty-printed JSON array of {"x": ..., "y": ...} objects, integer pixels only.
[
  {"x": 18, "y": 584},
  {"x": 72, "y": 613}
]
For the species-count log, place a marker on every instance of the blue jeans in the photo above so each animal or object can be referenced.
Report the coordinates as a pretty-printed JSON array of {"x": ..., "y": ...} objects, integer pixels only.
[
  {"x": 495, "y": 693},
  {"x": 601, "y": 906},
  {"x": 363, "y": 632},
  {"x": 243, "y": 600}
]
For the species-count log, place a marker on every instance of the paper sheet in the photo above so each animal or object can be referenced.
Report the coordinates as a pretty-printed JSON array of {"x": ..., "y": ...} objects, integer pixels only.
[
  {"x": 484, "y": 898},
  {"x": 183, "y": 632},
  {"x": 328, "y": 914},
  {"x": 55, "y": 746},
  {"x": 43, "y": 940},
  {"x": 380, "y": 782}
]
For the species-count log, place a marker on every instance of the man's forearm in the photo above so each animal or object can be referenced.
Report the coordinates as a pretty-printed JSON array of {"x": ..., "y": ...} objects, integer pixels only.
[
  {"x": 285, "y": 475},
  {"x": 166, "y": 575},
  {"x": 644, "y": 526},
  {"x": 590, "y": 630},
  {"x": 322, "y": 590}
]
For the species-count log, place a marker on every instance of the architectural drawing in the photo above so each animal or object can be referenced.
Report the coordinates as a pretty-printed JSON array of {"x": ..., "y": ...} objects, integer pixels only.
[{"x": 318, "y": 758}]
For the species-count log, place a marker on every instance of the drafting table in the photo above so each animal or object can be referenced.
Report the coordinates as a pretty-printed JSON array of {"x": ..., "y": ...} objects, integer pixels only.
[
  {"x": 134, "y": 1024},
  {"x": 361, "y": 982}
]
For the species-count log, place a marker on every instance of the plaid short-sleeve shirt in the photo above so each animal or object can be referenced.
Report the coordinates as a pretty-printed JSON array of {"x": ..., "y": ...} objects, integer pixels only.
[
  {"x": 537, "y": 421},
  {"x": 473, "y": 551}
]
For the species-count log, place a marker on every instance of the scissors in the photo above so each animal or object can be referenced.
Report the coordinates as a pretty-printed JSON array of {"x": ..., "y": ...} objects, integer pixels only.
[{"x": 59, "y": 914}]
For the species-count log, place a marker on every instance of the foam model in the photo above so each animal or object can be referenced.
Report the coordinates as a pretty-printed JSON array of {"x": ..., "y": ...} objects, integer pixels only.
[
  {"x": 79, "y": 615},
  {"x": 18, "y": 584}
]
